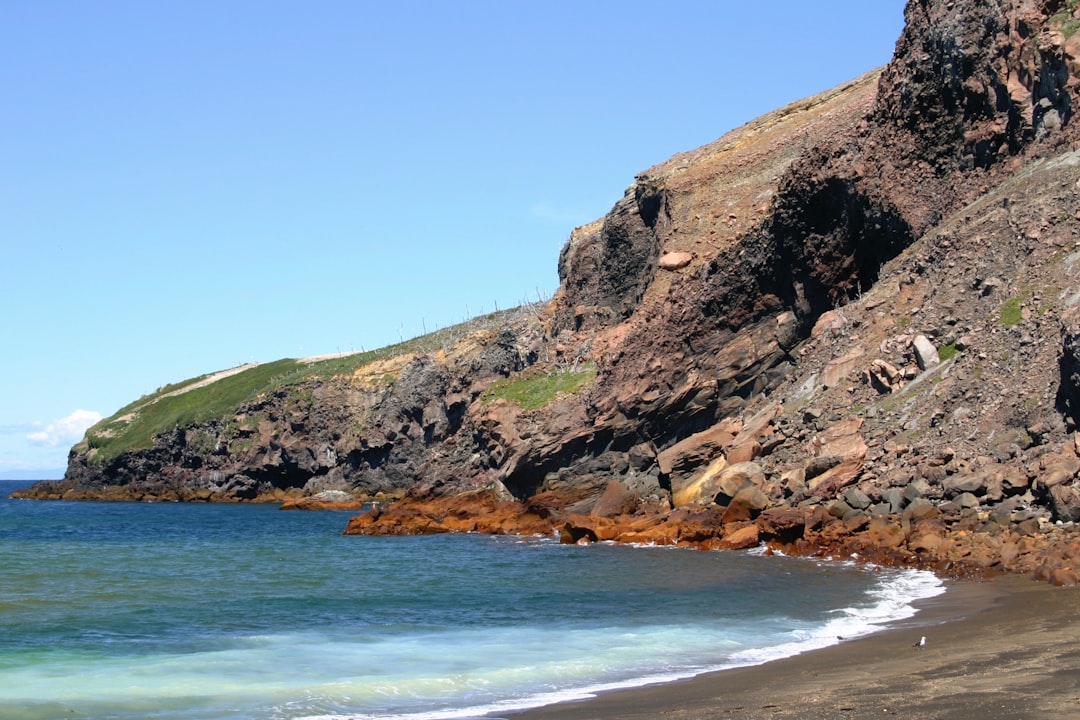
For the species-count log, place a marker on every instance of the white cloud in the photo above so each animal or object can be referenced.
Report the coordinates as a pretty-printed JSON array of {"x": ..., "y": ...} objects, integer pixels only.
[{"x": 65, "y": 431}]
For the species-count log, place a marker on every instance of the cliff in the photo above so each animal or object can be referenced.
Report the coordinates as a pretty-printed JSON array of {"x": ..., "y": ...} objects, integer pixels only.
[{"x": 847, "y": 326}]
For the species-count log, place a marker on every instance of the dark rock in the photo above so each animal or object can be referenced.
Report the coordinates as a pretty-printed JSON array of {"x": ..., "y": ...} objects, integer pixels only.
[
  {"x": 856, "y": 498},
  {"x": 1065, "y": 503}
]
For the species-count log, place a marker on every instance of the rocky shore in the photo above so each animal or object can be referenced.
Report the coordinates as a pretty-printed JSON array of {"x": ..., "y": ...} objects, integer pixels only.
[{"x": 849, "y": 327}]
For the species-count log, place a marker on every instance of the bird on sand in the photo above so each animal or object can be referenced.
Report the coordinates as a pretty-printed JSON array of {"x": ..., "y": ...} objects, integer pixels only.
[{"x": 921, "y": 643}]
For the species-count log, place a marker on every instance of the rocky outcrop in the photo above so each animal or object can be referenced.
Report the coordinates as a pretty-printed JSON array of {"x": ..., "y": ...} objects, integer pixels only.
[
  {"x": 846, "y": 327},
  {"x": 894, "y": 240}
]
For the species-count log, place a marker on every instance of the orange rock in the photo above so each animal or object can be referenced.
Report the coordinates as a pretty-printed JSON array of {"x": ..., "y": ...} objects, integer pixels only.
[{"x": 741, "y": 539}]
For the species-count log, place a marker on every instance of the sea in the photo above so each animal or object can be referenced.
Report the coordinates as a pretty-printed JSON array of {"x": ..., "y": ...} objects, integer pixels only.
[{"x": 170, "y": 611}]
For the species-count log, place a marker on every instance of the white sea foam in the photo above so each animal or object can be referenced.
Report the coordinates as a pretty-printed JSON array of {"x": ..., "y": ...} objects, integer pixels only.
[
  {"x": 215, "y": 613},
  {"x": 702, "y": 650}
]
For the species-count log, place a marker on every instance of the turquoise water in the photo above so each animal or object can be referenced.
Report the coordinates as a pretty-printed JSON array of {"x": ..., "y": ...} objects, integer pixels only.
[{"x": 215, "y": 612}]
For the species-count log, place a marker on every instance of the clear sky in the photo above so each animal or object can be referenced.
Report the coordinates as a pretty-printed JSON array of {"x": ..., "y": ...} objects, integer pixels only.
[{"x": 187, "y": 186}]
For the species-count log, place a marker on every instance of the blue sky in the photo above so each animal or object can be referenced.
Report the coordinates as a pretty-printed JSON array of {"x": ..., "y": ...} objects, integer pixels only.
[{"x": 189, "y": 186}]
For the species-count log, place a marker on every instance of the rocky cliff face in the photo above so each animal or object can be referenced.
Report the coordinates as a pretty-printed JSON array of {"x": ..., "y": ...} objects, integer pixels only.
[{"x": 849, "y": 325}]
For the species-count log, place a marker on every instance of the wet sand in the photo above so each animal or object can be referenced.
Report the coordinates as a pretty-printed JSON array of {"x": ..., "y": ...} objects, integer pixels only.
[{"x": 1002, "y": 648}]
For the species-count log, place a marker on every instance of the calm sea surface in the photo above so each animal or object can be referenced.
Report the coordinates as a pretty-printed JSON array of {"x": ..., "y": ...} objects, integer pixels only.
[{"x": 214, "y": 612}]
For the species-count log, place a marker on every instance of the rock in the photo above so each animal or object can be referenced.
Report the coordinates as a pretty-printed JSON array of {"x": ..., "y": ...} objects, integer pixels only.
[
  {"x": 743, "y": 450},
  {"x": 828, "y": 322},
  {"x": 746, "y": 505},
  {"x": 741, "y": 539},
  {"x": 701, "y": 488},
  {"x": 1057, "y": 469},
  {"x": 885, "y": 377},
  {"x": 819, "y": 465},
  {"x": 966, "y": 500},
  {"x": 915, "y": 490},
  {"x": 783, "y": 524},
  {"x": 326, "y": 500},
  {"x": 926, "y": 355},
  {"x": 793, "y": 481},
  {"x": 895, "y": 497},
  {"x": 1028, "y": 527},
  {"x": 840, "y": 509},
  {"x": 699, "y": 448},
  {"x": 856, "y": 498},
  {"x": 927, "y": 543},
  {"x": 883, "y": 533},
  {"x": 839, "y": 368},
  {"x": 971, "y": 483},
  {"x": 842, "y": 439},
  {"x": 1065, "y": 503},
  {"x": 616, "y": 500},
  {"x": 735, "y": 478},
  {"x": 989, "y": 285},
  {"x": 674, "y": 260}
]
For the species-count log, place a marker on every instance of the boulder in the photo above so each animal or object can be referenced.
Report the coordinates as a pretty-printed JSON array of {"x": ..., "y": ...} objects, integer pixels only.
[
  {"x": 734, "y": 478},
  {"x": 966, "y": 500},
  {"x": 699, "y": 448},
  {"x": 700, "y": 488},
  {"x": 839, "y": 368},
  {"x": 1057, "y": 469},
  {"x": 781, "y": 523},
  {"x": 926, "y": 355},
  {"x": 674, "y": 260},
  {"x": 884, "y": 533},
  {"x": 616, "y": 500},
  {"x": 746, "y": 505},
  {"x": 744, "y": 450},
  {"x": 973, "y": 483},
  {"x": 856, "y": 498},
  {"x": 1065, "y": 503},
  {"x": 844, "y": 440},
  {"x": 884, "y": 376},
  {"x": 741, "y": 539},
  {"x": 894, "y": 496}
]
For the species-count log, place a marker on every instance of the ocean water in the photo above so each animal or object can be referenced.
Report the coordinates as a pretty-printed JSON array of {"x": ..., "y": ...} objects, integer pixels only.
[{"x": 229, "y": 612}]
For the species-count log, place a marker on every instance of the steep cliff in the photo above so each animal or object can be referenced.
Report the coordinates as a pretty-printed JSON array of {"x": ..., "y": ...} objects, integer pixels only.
[{"x": 848, "y": 325}]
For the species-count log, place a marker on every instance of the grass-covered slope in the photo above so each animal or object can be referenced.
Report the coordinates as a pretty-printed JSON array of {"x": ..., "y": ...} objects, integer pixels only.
[{"x": 220, "y": 395}]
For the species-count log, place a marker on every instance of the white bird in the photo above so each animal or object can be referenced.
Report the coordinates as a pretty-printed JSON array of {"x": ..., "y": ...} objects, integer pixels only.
[{"x": 922, "y": 642}]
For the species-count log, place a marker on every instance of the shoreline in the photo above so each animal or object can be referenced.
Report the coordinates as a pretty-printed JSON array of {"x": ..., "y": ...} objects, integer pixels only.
[{"x": 1007, "y": 647}]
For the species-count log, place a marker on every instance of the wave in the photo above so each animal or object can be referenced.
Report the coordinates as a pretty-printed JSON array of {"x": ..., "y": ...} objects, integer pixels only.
[{"x": 891, "y": 601}]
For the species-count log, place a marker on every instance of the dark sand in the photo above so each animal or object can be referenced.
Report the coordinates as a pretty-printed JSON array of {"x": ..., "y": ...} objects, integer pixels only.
[{"x": 1003, "y": 648}]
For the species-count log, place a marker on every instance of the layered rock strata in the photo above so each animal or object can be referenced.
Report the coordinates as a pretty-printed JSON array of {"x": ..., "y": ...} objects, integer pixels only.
[{"x": 847, "y": 327}]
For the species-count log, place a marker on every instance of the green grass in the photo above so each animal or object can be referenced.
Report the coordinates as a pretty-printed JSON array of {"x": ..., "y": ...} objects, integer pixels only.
[
  {"x": 535, "y": 390},
  {"x": 1064, "y": 21},
  {"x": 947, "y": 352},
  {"x": 1011, "y": 313},
  {"x": 161, "y": 412}
]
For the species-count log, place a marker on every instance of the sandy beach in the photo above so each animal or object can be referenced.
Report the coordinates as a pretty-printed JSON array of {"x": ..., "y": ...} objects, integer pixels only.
[{"x": 1002, "y": 648}]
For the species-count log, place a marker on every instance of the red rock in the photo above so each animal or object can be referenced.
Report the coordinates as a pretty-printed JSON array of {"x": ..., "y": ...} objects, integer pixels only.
[
  {"x": 616, "y": 500},
  {"x": 696, "y": 450},
  {"x": 743, "y": 451},
  {"x": 885, "y": 533},
  {"x": 783, "y": 524},
  {"x": 741, "y": 539},
  {"x": 844, "y": 440}
]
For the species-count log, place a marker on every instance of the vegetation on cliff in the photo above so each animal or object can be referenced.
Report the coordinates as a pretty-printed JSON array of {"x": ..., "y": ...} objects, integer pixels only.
[{"x": 850, "y": 325}]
